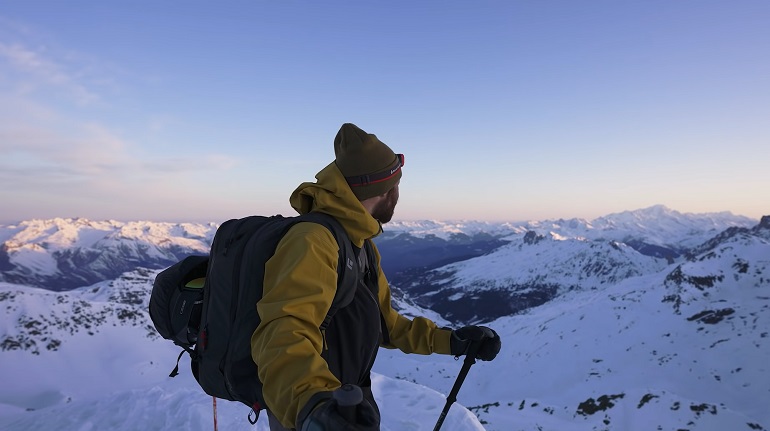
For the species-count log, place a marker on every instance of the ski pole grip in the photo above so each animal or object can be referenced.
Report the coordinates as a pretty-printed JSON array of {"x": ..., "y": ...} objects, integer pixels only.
[
  {"x": 470, "y": 356},
  {"x": 348, "y": 397}
]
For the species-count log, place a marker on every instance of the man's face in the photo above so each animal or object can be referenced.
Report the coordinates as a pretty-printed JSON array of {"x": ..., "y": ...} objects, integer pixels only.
[{"x": 384, "y": 209}]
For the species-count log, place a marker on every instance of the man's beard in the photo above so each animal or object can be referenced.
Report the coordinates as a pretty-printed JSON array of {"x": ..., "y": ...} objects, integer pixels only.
[{"x": 384, "y": 209}]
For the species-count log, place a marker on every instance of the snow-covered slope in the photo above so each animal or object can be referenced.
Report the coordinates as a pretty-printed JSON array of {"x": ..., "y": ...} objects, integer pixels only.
[
  {"x": 687, "y": 348},
  {"x": 90, "y": 359},
  {"x": 527, "y": 272}
]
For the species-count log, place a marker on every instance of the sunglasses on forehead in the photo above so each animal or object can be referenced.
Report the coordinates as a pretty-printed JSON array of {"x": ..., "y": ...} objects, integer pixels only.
[{"x": 363, "y": 180}]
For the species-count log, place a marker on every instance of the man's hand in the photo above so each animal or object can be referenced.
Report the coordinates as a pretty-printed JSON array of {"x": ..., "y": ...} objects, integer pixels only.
[
  {"x": 484, "y": 341},
  {"x": 338, "y": 413}
]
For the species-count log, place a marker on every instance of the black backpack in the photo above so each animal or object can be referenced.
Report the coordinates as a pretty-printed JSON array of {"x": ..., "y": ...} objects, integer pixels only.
[{"x": 214, "y": 320}]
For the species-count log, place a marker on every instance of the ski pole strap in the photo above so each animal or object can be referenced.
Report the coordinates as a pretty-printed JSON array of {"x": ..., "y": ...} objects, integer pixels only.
[
  {"x": 254, "y": 412},
  {"x": 175, "y": 371}
]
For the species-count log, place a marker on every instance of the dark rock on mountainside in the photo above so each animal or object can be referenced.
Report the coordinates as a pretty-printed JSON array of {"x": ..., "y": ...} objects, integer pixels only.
[
  {"x": 5, "y": 261},
  {"x": 405, "y": 252},
  {"x": 83, "y": 267},
  {"x": 654, "y": 250},
  {"x": 764, "y": 223},
  {"x": 455, "y": 304}
]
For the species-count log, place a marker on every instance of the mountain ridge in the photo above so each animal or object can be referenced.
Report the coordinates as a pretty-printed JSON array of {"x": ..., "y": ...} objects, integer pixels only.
[{"x": 62, "y": 254}]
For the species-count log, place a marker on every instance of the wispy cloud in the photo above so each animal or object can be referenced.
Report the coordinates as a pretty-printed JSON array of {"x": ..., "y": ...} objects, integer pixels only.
[
  {"x": 92, "y": 172},
  {"x": 90, "y": 152},
  {"x": 53, "y": 135},
  {"x": 41, "y": 73}
]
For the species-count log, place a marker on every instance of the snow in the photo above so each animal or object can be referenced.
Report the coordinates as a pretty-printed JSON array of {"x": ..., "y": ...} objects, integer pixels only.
[
  {"x": 681, "y": 345},
  {"x": 175, "y": 405},
  {"x": 36, "y": 259},
  {"x": 446, "y": 229},
  {"x": 623, "y": 340},
  {"x": 110, "y": 374},
  {"x": 566, "y": 262}
]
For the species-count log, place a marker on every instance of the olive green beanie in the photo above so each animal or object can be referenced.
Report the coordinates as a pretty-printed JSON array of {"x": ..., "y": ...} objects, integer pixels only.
[{"x": 370, "y": 167}]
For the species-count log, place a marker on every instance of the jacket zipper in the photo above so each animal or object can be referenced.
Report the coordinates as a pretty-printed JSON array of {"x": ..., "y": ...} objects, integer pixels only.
[
  {"x": 377, "y": 304},
  {"x": 325, "y": 344}
]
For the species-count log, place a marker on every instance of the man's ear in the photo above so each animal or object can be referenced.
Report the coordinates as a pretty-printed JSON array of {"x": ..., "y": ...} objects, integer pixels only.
[
  {"x": 369, "y": 203},
  {"x": 374, "y": 199}
]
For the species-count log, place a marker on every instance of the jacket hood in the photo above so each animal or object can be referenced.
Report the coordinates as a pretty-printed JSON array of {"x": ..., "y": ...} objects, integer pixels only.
[{"x": 332, "y": 195}]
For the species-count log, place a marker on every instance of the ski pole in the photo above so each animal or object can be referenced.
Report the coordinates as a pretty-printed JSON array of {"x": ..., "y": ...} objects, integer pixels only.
[
  {"x": 470, "y": 359},
  {"x": 348, "y": 397}
]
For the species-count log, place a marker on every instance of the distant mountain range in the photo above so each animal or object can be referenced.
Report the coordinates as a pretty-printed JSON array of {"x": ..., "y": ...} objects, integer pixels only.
[
  {"x": 642, "y": 320},
  {"x": 63, "y": 254},
  {"x": 542, "y": 260}
]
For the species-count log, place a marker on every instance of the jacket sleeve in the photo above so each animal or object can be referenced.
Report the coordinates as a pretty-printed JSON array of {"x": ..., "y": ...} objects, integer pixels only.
[
  {"x": 299, "y": 286},
  {"x": 418, "y": 335}
]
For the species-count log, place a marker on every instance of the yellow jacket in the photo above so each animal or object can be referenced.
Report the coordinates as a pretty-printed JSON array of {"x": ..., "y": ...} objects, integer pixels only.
[{"x": 299, "y": 286}]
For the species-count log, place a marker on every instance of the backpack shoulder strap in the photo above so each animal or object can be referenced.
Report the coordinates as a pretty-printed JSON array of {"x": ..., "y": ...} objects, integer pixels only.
[
  {"x": 374, "y": 272},
  {"x": 348, "y": 272}
]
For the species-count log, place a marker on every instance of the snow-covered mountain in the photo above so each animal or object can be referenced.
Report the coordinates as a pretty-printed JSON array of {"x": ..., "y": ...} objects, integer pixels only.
[
  {"x": 656, "y": 225},
  {"x": 62, "y": 254},
  {"x": 531, "y": 270},
  {"x": 90, "y": 359},
  {"x": 598, "y": 334},
  {"x": 686, "y": 348},
  {"x": 543, "y": 260}
]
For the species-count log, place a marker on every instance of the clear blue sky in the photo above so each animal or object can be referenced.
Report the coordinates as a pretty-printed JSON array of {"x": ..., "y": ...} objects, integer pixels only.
[{"x": 506, "y": 110}]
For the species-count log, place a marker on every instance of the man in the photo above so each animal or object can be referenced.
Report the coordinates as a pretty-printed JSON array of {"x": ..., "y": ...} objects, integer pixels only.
[{"x": 299, "y": 365}]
